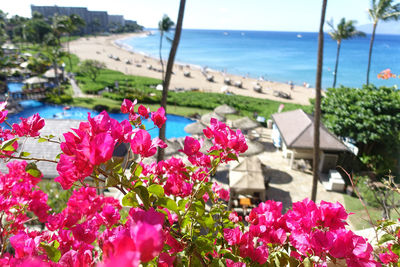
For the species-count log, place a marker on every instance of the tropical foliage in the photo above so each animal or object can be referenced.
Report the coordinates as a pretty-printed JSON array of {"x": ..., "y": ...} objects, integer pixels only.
[
  {"x": 370, "y": 117},
  {"x": 91, "y": 68}
]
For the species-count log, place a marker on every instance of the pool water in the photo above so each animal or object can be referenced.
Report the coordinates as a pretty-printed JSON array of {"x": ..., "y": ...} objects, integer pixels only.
[
  {"x": 14, "y": 87},
  {"x": 175, "y": 124}
]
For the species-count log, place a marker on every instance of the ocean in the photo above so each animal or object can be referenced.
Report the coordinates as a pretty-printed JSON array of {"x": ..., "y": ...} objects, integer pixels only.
[{"x": 279, "y": 56}]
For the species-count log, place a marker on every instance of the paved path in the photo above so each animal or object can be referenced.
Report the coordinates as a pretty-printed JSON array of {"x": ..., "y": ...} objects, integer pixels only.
[{"x": 76, "y": 89}]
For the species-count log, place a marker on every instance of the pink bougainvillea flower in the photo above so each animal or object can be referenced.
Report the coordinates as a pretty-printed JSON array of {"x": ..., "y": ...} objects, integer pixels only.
[
  {"x": 142, "y": 144},
  {"x": 3, "y": 112},
  {"x": 389, "y": 256},
  {"x": 102, "y": 147},
  {"x": 30, "y": 126},
  {"x": 148, "y": 240},
  {"x": 159, "y": 117},
  {"x": 143, "y": 111},
  {"x": 220, "y": 191},
  {"x": 234, "y": 217},
  {"x": 231, "y": 263},
  {"x": 128, "y": 106},
  {"x": 191, "y": 147}
]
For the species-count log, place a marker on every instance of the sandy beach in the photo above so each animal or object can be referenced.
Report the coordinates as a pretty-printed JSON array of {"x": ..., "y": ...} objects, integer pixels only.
[{"x": 102, "y": 47}]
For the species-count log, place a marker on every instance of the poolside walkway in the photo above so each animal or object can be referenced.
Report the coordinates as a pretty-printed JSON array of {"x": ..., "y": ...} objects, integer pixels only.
[{"x": 77, "y": 91}]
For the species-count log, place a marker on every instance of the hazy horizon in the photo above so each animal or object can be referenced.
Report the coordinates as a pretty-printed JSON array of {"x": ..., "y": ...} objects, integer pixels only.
[{"x": 258, "y": 15}]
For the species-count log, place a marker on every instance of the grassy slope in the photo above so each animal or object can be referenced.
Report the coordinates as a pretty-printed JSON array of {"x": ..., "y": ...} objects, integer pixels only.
[{"x": 360, "y": 220}]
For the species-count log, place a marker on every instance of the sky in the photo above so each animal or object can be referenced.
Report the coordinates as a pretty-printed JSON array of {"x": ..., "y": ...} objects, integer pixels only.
[{"x": 263, "y": 15}]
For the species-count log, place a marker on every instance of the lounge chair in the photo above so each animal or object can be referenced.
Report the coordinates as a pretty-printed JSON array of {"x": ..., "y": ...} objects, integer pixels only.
[
  {"x": 238, "y": 84},
  {"x": 227, "y": 81},
  {"x": 257, "y": 87},
  {"x": 210, "y": 78}
]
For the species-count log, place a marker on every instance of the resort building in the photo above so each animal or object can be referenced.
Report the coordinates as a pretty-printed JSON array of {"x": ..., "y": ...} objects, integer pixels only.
[{"x": 96, "y": 21}]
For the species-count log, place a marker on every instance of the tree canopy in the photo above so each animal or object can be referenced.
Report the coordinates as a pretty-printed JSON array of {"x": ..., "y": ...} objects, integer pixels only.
[
  {"x": 92, "y": 68},
  {"x": 370, "y": 116}
]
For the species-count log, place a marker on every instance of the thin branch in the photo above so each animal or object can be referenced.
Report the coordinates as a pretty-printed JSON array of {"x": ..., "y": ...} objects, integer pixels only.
[
  {"x": 362, "y": 202},
  {"x": 24, "y": 158}
]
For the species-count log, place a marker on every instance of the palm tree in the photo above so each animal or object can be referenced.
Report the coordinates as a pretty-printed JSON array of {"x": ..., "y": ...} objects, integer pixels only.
[
  {"x": 344, "y": 30},
  {"x": 165, "y": 25},
  {"x": 168, "y": 73},
  {"x": 384, "y": 10},
  {"x": 317, "y": 113}
]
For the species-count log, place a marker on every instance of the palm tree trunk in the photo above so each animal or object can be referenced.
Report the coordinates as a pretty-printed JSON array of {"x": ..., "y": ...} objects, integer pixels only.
[
  {"x": 317, "y": 113},
  {"x": 371, "y": 44},
  {"x": 161, "y": 61},
  {"x": 339, "y": 42},
  {"x": 55, "y": 66},
  {"x": 69, "y": 54},
  {"x": 170, "y": 64}
]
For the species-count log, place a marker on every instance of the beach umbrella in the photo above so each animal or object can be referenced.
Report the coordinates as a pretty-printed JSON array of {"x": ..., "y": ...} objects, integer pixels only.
[
  {"x": 244, "y": 124},
  {"x": 254, "y": 148},
  {"x": 35, "y": 80},
  {"x": 247, "y": 177},
  {"x": 225, "y": 109},
  {"x": 207, "y": 117},
  {"x": 51, "y": 73},
  {"x": 195, "y": 128}
]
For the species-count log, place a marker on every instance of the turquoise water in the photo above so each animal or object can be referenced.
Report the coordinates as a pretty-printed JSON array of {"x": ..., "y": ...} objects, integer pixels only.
[
  {"x": 175, "y": 124},
  {"x": 280, "y": 56},
  {"x": 14, "y": 87}
]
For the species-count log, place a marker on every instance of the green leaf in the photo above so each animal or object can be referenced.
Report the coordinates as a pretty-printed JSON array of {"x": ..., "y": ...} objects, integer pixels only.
[
  {"x": 182, "y": 204},
  {"x": 138, "y": 170},
  {"x": 167, "y": 203},
  {"x": 41, "y": 140},
  {"x": 233, "y": 156},
  {"x": 111, "y": 181},
  {"x": 51, "y": 250},
  {"x": 144, "y": 195},
  {"x": 198, "y": 207},
  {"x": 25, "y": 154},
  {"x": 33, "y": 170},
  {"x": 385, "y": 238},
  {"x": 8, "y": 145},
  {"x": 215, "y": 153},
  {"x": 129, "y": 200},
  {"x": 396, "y": 249},
  {"x": 204, "y": 244},
  {"x": 156, "y": 189}
]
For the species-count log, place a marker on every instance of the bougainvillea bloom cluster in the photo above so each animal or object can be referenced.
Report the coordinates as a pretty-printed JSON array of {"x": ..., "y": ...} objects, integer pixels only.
[{"x": 171, "y": 213}]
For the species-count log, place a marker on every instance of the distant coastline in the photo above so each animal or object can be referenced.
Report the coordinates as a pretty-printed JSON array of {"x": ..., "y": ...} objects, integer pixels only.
[
  {"x": 105, "y": 49},
  {"x": 277, "y": 56}
]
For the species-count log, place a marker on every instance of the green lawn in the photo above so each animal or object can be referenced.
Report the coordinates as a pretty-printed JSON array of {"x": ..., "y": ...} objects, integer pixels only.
[
  {"x": 360, "y": 220},
  {"x": 108, "y": 78}
]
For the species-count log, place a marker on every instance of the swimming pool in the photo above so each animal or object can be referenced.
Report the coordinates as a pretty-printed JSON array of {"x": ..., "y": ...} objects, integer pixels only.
[
  {"x": 14, "y": 87},
  {"x": 175, "y": 124}
]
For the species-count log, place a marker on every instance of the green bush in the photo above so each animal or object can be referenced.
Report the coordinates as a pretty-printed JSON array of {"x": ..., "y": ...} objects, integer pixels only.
[{"x": 59, "y": 99}]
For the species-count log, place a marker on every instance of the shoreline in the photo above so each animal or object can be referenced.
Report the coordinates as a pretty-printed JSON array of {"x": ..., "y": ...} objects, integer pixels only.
[{"x": 103, "y": 47}]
